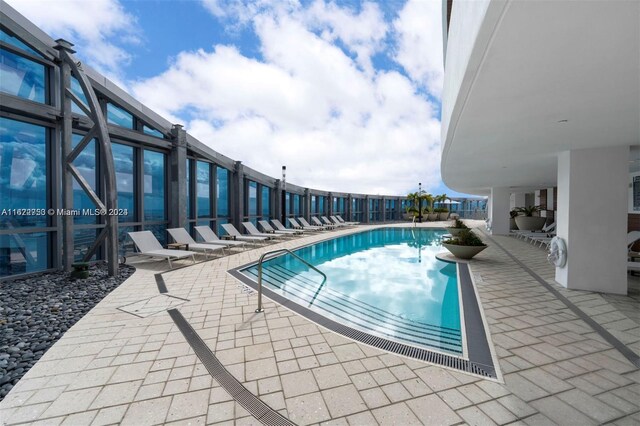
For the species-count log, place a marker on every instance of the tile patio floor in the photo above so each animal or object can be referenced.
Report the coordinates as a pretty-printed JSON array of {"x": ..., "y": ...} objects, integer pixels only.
[{"x": 117, "y": 367}]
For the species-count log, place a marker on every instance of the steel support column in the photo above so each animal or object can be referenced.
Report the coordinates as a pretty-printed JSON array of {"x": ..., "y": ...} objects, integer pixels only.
[
  {"x": 237, "y": 207},
  {"x": 99, "y": 131},
  {"x": 178, "y": 185}
]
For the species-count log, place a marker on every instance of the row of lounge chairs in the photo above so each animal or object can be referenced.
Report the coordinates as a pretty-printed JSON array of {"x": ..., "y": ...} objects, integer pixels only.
[
  {"x": 541, "y": 238},
  {"x": 148, "y": 245}
]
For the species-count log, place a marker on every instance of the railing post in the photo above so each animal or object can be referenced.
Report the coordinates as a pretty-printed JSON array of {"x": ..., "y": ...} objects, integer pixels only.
[{"x": 260, "y": 308}]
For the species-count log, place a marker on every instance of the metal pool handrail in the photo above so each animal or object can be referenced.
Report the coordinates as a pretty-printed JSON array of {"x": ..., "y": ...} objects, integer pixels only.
[{"x": 260, "y": 309}]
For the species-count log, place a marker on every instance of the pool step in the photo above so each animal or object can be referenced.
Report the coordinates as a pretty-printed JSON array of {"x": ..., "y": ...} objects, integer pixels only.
[{"x": 345, "y": 308}]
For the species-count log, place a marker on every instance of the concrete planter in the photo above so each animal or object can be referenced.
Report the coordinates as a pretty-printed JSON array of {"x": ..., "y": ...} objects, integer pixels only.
[
  {"x": 432, "y": 216},
  {"x": 463, "y": 252},
  {"x": 530, "y": 223},
  {"x": 443, "y": 215},
  {"x": 454, "y": 231}
]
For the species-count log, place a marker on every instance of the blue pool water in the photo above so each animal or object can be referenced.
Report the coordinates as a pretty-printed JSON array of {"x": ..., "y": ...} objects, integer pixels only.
[{"x": 386, "y": 282}]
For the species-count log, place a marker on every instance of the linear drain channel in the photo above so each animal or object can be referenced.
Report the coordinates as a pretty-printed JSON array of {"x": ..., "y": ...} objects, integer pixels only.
[{"x": 258, "y": 409}]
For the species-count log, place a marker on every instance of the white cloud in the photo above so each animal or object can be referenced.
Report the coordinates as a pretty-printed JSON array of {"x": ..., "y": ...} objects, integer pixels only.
[
  {"x": 98, "y": 28},
  {"x": 318, "y": 108},
  {"x": 418, "y": 30}
]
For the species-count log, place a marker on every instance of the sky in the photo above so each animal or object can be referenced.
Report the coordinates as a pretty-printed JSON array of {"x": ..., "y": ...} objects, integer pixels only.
[{"x": 346, "y": 94}]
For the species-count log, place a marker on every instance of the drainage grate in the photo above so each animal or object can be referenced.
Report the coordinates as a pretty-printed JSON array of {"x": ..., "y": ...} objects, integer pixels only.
[
  {"x": 258, "y": 409},
  {"x": 162, "y": 286},
  {"x": 479, "y": 363}
]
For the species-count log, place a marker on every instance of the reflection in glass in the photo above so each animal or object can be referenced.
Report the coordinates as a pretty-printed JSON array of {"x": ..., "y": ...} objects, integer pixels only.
[
  {"x": 152, "y": 132},
  {"x": 266, "y": 202},
  {"x": 253, "y": 199},
  {"x": 119, "y": 117},
  {"x": 23, "y": 172},
  {"x": 123, "y": 161},
  {"x": 188, "y": 183},
  {"x": 203, "y": 177},
  {"x": 15, "y": 42},
  {"x": 86, "y": 165},
  {"x": 23, "y": 253},
  {"x": 154, "y": 205},
  {"x": 22, "y": 77},
  {"x": 82, "y": 241},
  {"x": 77, "y": 90},
  {"x": 223, "y": 192}
]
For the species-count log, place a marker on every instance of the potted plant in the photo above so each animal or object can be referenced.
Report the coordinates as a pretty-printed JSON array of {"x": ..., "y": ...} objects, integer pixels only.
[
  {"x": 465, "y": 245},
  {"x": 526, "y": 221},
  {"x": 512, "y": 222},
  {"x": 433, "y": 214},
  {"x": 458, "y": 226},
  {"x": 443, "y": 213}
]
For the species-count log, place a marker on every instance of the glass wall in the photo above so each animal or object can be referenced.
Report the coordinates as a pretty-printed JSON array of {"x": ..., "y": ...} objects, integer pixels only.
[
  {"x": 24, "y": 192},
  {"x": 154, "y": 186},
  {"x": 22, "y": 77},
  {"x": 86, "y": 164},
  {"x": 123, "y": 159},
  {"x": 119, "y": 117},
  {"x": 203, "y": 191}
]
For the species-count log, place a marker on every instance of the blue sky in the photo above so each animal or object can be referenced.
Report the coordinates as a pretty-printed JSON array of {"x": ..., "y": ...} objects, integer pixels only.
[{"x": 346, "y": 93}]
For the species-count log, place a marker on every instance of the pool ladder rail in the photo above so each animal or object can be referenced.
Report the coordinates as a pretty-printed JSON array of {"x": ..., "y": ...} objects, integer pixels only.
[{"x": 260, "y": 308}]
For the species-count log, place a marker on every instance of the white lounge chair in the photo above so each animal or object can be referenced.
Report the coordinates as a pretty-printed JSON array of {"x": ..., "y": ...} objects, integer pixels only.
[
  {"x": 526, "y": 234},
  {"x": 633, "y": 266},
  {"x": 326, "y": 221},
  {"x": 305, "y": 225},
  {"x": 181, "y": 236},
  {"x": 253, "y": 231},
  {"x": 148, "y": 245},
  {"x": 316, "y": 223},
  {"x": 344, "y": 221},
  {"x": 232, "y": 231},
  {"x": 210, "y": 237},
  {"x": 270, "y": 230}
]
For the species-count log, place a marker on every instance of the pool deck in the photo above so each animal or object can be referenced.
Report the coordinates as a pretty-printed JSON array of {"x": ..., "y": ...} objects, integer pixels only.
[{"x": 136, "y": 367}]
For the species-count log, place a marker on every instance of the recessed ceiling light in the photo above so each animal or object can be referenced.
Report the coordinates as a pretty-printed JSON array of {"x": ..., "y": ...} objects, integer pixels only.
[{"x": 563, "y": 121}]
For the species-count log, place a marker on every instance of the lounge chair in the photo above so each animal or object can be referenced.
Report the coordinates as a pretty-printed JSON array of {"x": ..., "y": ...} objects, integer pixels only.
[
  {"x": 526, "y": 234},
  {"x": 633, "y": 266},
  {"x": 270, "y": 230},
  {"x": 253, "y": 231},
  {"x": 210, "y": 237},
  {"x": 326, "y": 221},
  {"x": 306, "y": 227},
  {"x": 181, "y": 236},
  {"x": 148, "y": 245},
  {"x": 344, "y": 221},
  {"x": 232, "y": 231},
  {"x": 316, "y": 222}
]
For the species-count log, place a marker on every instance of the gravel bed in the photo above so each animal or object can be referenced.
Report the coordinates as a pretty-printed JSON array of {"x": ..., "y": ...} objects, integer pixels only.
[{"x": 35, "y": 312}]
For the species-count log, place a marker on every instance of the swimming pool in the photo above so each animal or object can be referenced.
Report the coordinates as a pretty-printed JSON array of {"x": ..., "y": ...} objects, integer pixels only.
[{"x": 385, "y": 281}]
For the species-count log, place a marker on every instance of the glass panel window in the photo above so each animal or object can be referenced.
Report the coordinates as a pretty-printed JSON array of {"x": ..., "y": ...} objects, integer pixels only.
[
  {"x": 266, "y": 202},
  {"x": 314, "y": 204},
  {"x": 223, "y": 192},
  {"x": 296, "y": 205},
  {"x": 152, "y": 132},
  {"x": 119, "y": 117},
  {"x": 16, "y": 42},
  {"x": 123, "y": 161},
  {"x": 321, "y": 205},
  {"x": 77, "y": 90},
  {"x": 23, "y": 174},
  {"x": 82, "y": 240},
  {"x": 253, "y": 199},
  {"x": 189, "y": 212},
  {"x": 86, "y": 165},
  {"x": 23, "y": 253},
  {"x": 154, "y": 205},
  {"x": 22, "y": 77},
  {"x": 203, "y": 172},
  {"x": 288, "y": 203}
]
